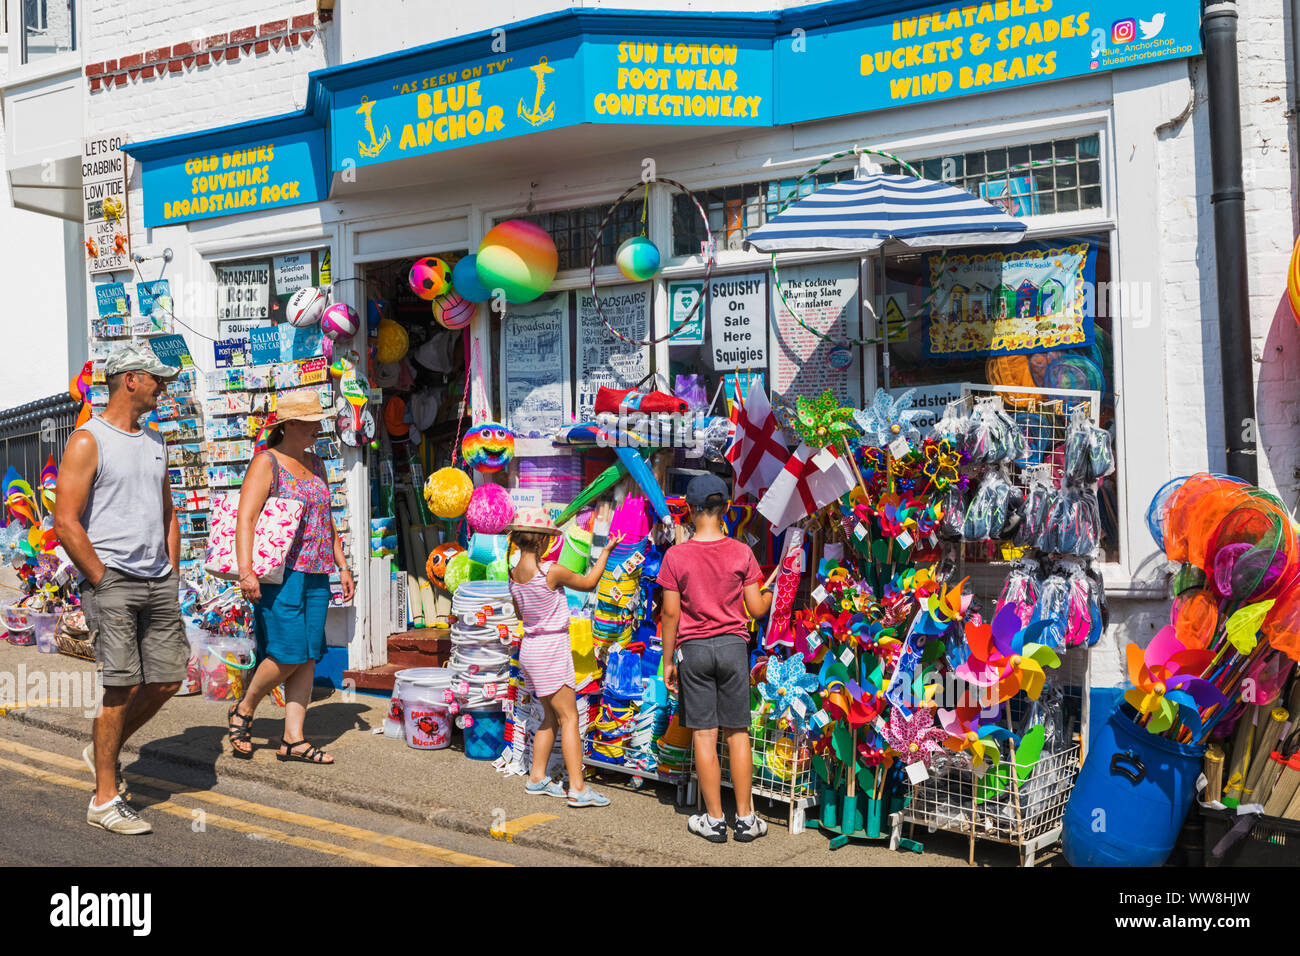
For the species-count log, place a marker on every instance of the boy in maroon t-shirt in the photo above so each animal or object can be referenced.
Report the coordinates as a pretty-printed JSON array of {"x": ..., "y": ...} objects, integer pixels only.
[{"x": 709, "y": 582}]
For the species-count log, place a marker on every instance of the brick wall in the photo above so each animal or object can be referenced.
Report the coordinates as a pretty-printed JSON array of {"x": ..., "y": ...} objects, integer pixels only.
[{"x": 159, "y": 69}]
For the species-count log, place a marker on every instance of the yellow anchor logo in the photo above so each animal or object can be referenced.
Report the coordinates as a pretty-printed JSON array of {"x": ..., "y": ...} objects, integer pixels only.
[
  {"x": 537, "y": 117},
  {"x": 376, "y": 145}
]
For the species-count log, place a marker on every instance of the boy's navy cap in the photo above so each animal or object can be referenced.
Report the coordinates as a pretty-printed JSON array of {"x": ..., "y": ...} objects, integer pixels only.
[{"x": 702, "y": 487}]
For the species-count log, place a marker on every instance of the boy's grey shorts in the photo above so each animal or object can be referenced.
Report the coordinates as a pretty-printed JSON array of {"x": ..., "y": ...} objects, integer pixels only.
[{"x": 714, "y": 680}]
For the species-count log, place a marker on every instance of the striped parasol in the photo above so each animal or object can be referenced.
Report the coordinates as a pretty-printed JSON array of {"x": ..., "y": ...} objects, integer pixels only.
[{"x": 863, "y": 213}]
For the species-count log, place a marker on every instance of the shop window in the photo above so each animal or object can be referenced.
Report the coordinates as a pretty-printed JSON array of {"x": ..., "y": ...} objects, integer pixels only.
[
  {"x": 49, "y": 28},
  {"x": 1038, "y": 179},
  {"x": 920, "y": 357},
  {"x": 574, "y": 230},
  {"x": 735, "y": 211}
]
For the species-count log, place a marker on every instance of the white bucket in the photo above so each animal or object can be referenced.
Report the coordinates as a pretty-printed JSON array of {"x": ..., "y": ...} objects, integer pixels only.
[
  {"x": 225, "y": 666},
  {"x": 193, "y": 682},
  {"x": 418, "y": 705}
]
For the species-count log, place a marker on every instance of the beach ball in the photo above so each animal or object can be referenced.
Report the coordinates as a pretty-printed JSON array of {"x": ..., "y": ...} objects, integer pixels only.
[
  {"x": 392, "y": 342},
  {"x": 306, "y": 306},
  {"x": 429, "y": 277},
  {"x": 452, "y": 312},
  {"x": 519, "y": 258},
  {"x": 1293, "y": 281},
  {"x": 340, "y": 321},
  {"x": 435, "y": 569},
  {"x": 638, "y": 259},
  {"x": 465, "y": 281},
  {"x": 457, "y": 572},
  {"x": 488, "y": 447},
  {"x": 490, "y": 509},
  {"x": 447, "y": 492}
]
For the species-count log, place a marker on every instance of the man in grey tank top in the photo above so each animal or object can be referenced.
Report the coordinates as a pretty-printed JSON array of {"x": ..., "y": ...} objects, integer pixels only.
[{"x": 113, "y": 515}]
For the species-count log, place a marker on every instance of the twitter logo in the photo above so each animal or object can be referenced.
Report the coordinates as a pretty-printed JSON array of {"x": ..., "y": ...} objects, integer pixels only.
[{"x": 1151, "y": 28}]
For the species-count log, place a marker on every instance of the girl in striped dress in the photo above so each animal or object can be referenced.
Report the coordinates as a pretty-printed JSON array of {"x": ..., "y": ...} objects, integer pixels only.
[{"x": 546, "y": 655}]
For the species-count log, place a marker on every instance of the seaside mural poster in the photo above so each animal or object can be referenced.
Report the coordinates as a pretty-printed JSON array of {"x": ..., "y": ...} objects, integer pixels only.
[{"x": 1011, "y": 302}]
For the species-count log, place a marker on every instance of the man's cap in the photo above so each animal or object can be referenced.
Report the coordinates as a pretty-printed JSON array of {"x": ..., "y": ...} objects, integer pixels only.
[
  {"x": 703, "y": 487},
  {"x": 138, "y": 358}
]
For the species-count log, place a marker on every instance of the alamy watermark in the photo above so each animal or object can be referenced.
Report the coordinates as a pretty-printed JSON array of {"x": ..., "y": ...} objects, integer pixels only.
[{"x": 40, "y": 688}]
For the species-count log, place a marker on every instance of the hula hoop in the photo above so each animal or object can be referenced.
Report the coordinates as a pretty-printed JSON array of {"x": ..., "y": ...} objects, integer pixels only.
[
  {"x": 794, "y": 197},
  {"x": 595, "y": 251}
]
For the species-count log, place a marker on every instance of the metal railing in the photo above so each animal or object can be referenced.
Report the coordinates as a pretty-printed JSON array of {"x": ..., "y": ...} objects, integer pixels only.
[{"x": 29, "y": 433}]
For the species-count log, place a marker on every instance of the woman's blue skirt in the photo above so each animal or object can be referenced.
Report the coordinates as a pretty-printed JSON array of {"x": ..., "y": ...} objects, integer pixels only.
[{"x": 289, "y": 620}]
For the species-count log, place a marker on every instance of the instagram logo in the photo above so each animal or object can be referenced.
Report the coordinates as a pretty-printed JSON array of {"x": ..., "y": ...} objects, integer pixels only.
[{"x": 1123, "y": 31}]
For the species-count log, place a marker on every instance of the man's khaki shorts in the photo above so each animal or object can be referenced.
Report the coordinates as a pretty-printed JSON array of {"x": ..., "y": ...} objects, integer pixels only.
[{"x": 141, "y": 636}]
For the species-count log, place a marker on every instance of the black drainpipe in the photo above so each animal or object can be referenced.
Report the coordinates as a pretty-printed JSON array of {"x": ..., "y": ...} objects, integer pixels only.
[{"x": 1219, "y": 26}]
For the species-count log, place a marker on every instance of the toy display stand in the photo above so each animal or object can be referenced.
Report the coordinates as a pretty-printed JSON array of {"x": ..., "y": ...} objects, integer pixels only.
[
  {"x": 782, "y": 768},
  {"x": 865, "y": 814},
  {"x": 684, "y": 781},
  {"x": 1018, "y": 805}
]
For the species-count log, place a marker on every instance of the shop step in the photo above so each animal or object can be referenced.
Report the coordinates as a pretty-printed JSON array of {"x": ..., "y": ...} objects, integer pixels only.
[
  {"x": 373, "y": 679},
  {"x": 420, "y": 648}
]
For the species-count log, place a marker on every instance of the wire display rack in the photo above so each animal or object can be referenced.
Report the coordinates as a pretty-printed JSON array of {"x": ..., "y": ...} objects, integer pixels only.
[
  {"x": 1021, "y": 805},
  {"x": 1043, "y": 416},
  {"x": 782, "y": 767}
]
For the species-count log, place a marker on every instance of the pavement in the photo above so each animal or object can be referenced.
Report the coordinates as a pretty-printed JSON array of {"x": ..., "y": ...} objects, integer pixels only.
[{"x": 439, "y": 791}]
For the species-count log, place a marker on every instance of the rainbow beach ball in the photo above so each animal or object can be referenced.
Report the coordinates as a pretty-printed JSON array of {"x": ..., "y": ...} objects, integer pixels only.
[
  {"x": 452, "y": 312},
  {"x": 519, "y": 258},
  {"x": 465, "y": 281},
  {"x": 340, "y": 321},
  {"x": 488, "y": 447},
  {"x": 638, "y": 259},
  {"x": 429, "y": 278}
]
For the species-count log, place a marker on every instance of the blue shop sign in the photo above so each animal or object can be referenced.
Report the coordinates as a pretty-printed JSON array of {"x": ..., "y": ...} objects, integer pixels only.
[
  {"x": 959, "y": 49},
  {"x": 242, "y": 177}
]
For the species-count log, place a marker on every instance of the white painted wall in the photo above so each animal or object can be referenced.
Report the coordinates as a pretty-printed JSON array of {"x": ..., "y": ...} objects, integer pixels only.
[{"x": 33, "y": 297}]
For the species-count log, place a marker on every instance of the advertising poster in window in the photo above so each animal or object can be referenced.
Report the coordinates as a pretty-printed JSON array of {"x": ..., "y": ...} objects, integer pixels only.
[
  {"x": 605, "y": 359},
  {"x": 243, "y": 297},
  {"x": 534, "y": 360},
  {"x": 738, "y": 321},
  {"x": 682, "y": 298},
  {"x": 825, "y": 297},
  {"x": 995, "y": 302}
]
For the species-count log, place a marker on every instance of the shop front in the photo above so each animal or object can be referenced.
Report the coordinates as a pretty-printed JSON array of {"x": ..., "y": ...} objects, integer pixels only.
[{"x": 688, "y": 135}]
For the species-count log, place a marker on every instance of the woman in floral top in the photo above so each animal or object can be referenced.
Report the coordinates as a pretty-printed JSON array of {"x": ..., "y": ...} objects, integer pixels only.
[{"x": 289, "y": 617}]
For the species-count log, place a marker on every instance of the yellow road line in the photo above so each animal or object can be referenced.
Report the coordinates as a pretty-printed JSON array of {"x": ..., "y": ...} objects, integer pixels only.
[
  {"x": 33, "y": 703},
  {"x": 511, "y": 828},
  {"x": 274, "y": 813},
  {"x": 186, "y": 813}
]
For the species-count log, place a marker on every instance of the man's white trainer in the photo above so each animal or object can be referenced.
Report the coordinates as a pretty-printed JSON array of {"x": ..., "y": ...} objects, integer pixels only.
[{"x": 117, "y": 817}]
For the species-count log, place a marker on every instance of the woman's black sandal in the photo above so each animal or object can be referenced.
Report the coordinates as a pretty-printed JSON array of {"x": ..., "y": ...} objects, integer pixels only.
[
  {"x": 240, "y": 734},
  {"x": 312, "y": 754}
]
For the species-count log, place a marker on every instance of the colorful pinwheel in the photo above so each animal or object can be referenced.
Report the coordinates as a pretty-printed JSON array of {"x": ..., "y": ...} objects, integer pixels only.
[
  {"x": 788, "y": 689},
  {"x": 1167, "y": 686},
  {"x": 967, "y": 732},
  {"x": 821, "y": 421},
  {"x": 49, "y": 480},
  {"x": 1001, "y": 656},
  {"x": 19, "y": 497},
  {"x": 887, "y": 419},
  {"x": 914, "y": 737}
]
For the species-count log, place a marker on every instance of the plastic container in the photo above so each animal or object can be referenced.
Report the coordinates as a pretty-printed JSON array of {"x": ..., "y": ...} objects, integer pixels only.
[
  {"x": 426, "y": 719},
  {"x": 45, "y": 625},
  {"x": 407, "y": 686},
  {"x": 224, "y": 667},
  {"x": 576, "y": 553},
  {"x": 17, "y": 621},
  {"x": 193, "y": 682},
  {"x": 1131, "y": 797},
  {"x": 1272, "y": 841},
  {"x": 485, "y": 734}
]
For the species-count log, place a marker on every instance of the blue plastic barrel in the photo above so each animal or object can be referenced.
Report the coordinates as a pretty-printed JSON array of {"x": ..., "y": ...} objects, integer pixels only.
[{"x": 1131, "y": 798}]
